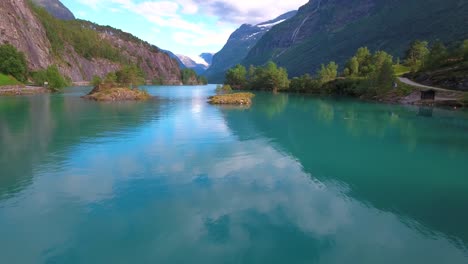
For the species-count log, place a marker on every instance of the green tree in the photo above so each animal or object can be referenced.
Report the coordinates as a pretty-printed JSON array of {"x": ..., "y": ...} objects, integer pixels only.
[
  {"x": 380, "y": 58},
  {"x": 305, "y": 83},
  {"x": 363, "y": 55},
  {"x": 110, "y": 79},
  {"x": 416, "y": 54},
  {"x": 189, "y": 76},
  {"x": 130, "y": 76},
  {"x": 465, "y": 49},
  {"x": 276, "y": 78},
  {"x": 96, "y": 81},
  {"x": 384, "y": 77},
  {"x": 328, "y": 73},
  {"x": 52, "y": 76},
  {"x": 364, "y": 60},
  {"x": 202, "y": 80},
  {"x": 13, "y": 62},
  {"x": 270, "y": 78},
  {"x": 237, "y": 77},
  {"x": 437, "y": 56},
  {"x": 353, "y": 66}
]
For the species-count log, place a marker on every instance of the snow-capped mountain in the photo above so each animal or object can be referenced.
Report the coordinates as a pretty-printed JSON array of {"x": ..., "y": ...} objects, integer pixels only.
[{"x": 199, "y": 63}]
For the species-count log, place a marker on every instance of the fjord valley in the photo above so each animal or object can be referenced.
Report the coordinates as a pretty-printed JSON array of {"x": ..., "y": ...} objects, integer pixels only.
[{"x": 336, "y": 132}]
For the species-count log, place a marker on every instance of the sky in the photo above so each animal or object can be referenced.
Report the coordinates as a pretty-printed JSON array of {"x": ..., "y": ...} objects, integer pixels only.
[{"x": 187, "y": 27}]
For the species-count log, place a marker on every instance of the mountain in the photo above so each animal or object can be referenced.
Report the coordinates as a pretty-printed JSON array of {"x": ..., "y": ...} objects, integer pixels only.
[
  {"x": 239, "y": 44},
  {"x": 325, "y": 30},
  {"x": 191, "y": 64},
  {"x": 80, "y": 49},
  {"x": 55, "y": 8},
  {"x": 200, "y": 65}
]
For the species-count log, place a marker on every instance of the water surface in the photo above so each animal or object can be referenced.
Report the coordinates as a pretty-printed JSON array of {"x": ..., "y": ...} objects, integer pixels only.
[{"x": 292, "y": 179}]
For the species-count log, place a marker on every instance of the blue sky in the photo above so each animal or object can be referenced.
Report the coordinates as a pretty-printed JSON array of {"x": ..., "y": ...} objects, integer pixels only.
[{"x": 187, "y": 27}]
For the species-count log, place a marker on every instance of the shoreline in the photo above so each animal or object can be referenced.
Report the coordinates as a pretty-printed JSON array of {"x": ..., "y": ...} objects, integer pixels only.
[
  {"x": 406, "y": 94},
  {"x": 18, "y": 90}
]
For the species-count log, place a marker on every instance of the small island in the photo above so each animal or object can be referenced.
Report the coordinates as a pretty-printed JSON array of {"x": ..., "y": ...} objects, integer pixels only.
[
  {"x": 106, "y": 93},
  {"x": 232, "y": 99},
  {"x": 118, "y": 86}
]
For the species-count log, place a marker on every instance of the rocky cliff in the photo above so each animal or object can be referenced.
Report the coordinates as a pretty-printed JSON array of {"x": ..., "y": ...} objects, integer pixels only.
[
  {"x": 239, "y": 44},
  {"x": 20, "y": 27},
  {"x": 23, "y": 28},
  {"x": 325, "y": 30}
]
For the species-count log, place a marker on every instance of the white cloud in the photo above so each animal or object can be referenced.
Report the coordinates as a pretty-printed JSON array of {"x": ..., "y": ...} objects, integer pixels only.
[
  {"x": 237, "y": 12},
  {"x": 200, "y": 23},
  {"x": 248, "y": 11}
]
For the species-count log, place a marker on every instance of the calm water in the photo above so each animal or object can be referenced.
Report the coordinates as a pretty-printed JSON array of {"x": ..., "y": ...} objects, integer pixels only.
[{"x": 291, "y": 180}]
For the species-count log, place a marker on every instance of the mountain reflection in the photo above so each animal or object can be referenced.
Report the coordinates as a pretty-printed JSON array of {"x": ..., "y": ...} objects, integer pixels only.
[{"x": 33, "y": 128}]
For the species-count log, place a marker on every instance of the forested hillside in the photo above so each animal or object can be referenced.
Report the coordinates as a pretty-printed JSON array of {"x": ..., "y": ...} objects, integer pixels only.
[{"x": 325, "y": 30}]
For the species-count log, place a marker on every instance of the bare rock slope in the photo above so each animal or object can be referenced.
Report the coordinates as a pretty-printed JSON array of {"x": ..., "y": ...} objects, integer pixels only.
[{"x": 21, "y": 27}]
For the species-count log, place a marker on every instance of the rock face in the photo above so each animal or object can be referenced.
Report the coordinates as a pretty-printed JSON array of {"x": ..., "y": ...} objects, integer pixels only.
[
  {"x": 239, "y": 44},
  {"x": 325, "y": 30},
  {"x": 56, "y": 8},
  {"x": 20, "y": 27}
]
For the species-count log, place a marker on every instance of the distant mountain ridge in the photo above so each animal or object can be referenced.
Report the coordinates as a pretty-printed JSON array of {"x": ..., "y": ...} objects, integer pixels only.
[
  {"x": 325, "y": 30},
  {"x": 239, "y": 44},
  {"x": 55, "y": 8}
]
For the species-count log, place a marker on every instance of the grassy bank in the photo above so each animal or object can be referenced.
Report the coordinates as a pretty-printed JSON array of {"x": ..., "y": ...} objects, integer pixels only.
[{"x": 8, "y": 80}]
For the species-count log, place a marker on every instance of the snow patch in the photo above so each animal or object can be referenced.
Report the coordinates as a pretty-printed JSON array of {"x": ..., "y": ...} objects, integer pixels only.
[
  {"x": 200, "y": 60},
  {"x": 271, "y": 24},
  {"x": 252, "y": 35}
]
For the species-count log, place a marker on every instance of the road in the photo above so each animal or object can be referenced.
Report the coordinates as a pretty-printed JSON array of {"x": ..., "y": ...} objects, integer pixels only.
[{"x": 415, "y": 84}]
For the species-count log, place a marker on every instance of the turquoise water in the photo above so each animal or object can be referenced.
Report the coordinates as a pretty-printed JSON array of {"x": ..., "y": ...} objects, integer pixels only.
[{"x": 293, "y": 179}]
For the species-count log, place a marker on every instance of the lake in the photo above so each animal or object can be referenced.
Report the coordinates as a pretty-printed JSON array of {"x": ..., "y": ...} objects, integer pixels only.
[{"x": 292, "y": 179}]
